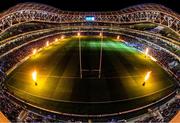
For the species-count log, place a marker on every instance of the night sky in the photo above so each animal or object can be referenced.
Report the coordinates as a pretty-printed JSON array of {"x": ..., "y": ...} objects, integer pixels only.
[{"x": 92, "y": 5}]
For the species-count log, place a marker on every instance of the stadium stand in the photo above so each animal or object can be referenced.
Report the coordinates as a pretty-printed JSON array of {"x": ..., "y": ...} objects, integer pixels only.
[
  {"x": 24, "y": 28},
  {"x": 28, "y": 25},
  {"x": 162, "y": 57},
  {"x": 13, "y": 110}
]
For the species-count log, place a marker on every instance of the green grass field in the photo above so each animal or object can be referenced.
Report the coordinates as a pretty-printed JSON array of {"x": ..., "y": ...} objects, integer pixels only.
[{"x": 61, "y": 89}]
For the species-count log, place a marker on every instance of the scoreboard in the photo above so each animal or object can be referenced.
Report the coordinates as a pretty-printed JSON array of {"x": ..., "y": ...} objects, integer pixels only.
[{"x": 90, "y": 18}]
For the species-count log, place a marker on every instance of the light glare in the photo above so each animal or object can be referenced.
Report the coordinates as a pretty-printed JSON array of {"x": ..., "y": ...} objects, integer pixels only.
[
  {"x": 153, "y": 58},
  {"x": 34, "y": 75},
  {"x": 62, "y": 37},
  {"x": 100, "y": 34},
  {"x": 47, "y": 43},
  {"x": 147, "y": 50},
  {"x": 78, "y": 34},
  {"x": 118, "y": 37},
  {"x": 34, "y": 51},
  {"x": 147, "y": 76}
]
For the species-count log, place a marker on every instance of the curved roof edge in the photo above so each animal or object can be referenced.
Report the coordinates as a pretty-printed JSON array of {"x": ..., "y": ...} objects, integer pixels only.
[{"x": 41, "y": 6}]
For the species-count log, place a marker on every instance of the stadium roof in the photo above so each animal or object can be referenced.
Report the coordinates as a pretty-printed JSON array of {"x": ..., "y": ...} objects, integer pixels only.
[{"x": 140, "y": 7}]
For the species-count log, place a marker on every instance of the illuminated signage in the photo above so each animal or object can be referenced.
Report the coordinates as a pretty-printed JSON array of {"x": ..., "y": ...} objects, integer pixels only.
[{"x": 90, "y": 18}]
